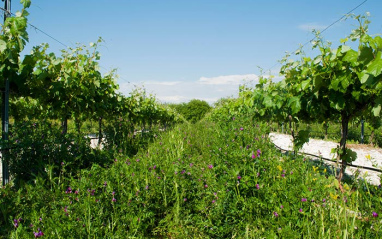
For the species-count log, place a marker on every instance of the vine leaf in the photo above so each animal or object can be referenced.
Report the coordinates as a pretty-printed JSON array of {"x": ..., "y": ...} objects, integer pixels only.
[
  {"x": 295, "y": 104},
  {"x": 375, "y": 68},
  {"x": 3, "y": 45},
  {"x": 365, "y": 55}
]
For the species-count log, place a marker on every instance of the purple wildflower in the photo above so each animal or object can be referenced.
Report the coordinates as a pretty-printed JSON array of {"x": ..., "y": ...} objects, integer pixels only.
[
  {"x": 257, "y": 186},
  {"x": 303, "y": 199},
  {"x": 206, "y": 186},
  {"x": 185, "y": 199},
  {"x": 300, "y": 210},
  {"x": 213, "y": 201},
  {"x": 241, "y": 128},
  {"x": 69, "y": 190},
  {"x": 105, "y": 184},
  {"x": 281, "y": 206},
  {"x": 113, "y": 200},
  {"x": 38, "y": 234},
  {"x": 283, "y": 175},
  {"x": 15, "y": 223},
  {"x": 238, "y": 177},
  {"x": 210, "y": 166},
  {"x": 375, "y": 214},
  {"x": 275, "y": 214},
  {"x": 324, "y": 200}
]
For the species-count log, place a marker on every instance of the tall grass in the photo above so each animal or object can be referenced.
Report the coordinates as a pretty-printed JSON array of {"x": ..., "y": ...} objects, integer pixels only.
[{"x": 195, "y": 181}]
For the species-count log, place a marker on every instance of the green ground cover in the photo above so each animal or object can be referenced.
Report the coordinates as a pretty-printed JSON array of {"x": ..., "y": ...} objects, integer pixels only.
[{"x": 207, "y": 180}]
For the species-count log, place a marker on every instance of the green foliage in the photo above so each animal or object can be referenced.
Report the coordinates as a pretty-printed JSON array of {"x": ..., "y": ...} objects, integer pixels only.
[
  {"x": 347, "y": 83},
  {"x": 194, "y": 110},
  {"x": 37, "y": 146},
  {"x": 220, "y": 178},
  {"x": 300, "y": 139},
  {"x": 209, "y": 180}
]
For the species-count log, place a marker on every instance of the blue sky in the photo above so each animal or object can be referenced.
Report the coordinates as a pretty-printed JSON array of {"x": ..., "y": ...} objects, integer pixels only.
[{"x": 185, "y": 49}]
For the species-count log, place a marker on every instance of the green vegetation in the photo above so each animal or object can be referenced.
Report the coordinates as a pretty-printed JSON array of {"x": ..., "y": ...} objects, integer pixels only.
[
  {"x": 201, "y": 181},
  {"x": 339, "y": 84},
  {"x": 194, "y": 110},
  {"x": 155, "y": 176}
]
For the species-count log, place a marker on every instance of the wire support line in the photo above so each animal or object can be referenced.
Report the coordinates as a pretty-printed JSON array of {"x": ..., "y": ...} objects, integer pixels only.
[
  {"x": 331, "y": 160},
  {"x": 326, "y": 28},
  {"x": 338, "y": 20},
  {"x": 37, "y": 29},
  {"x": 6, "y": 11},
  {"x": 51, "y": 37}
]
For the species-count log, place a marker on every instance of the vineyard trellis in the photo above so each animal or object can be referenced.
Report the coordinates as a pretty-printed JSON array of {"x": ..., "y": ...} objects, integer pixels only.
[
  {"x": 44, "y": 86},
  {"x": 338, "y": 84}
]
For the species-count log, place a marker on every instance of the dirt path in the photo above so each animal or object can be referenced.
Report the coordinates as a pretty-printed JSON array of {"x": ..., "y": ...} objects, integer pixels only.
[{"x": 323, "y": 148}]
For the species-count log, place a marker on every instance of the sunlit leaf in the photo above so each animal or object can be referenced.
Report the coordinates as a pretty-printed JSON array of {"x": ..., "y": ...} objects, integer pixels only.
[{"x": 375, "y": 67}]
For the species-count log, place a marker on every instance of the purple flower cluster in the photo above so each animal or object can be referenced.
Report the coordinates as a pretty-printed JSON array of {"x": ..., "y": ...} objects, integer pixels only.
[
  {"x": 91, "y": 192},
  {"x": 258, "y": 152},
  {"x": 16, "y": 222},
  {"x": 69, "y": 190},
  {"x": 38, "y": 234},
  {"x": 375, "y": 214}
]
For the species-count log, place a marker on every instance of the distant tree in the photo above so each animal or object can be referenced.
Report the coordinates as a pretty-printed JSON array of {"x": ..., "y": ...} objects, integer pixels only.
[{"x": 194, "y": 110}]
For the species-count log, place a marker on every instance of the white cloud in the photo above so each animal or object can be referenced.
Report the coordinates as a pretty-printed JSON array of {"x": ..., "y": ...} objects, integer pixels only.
[
  {"x": 173, "y": 98},
  {"x": 311, "y": 26},
  {"x": 163, "y": 83},
  {"x": 207, "y": 89},
  {"x": 228, "y": 80}
]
